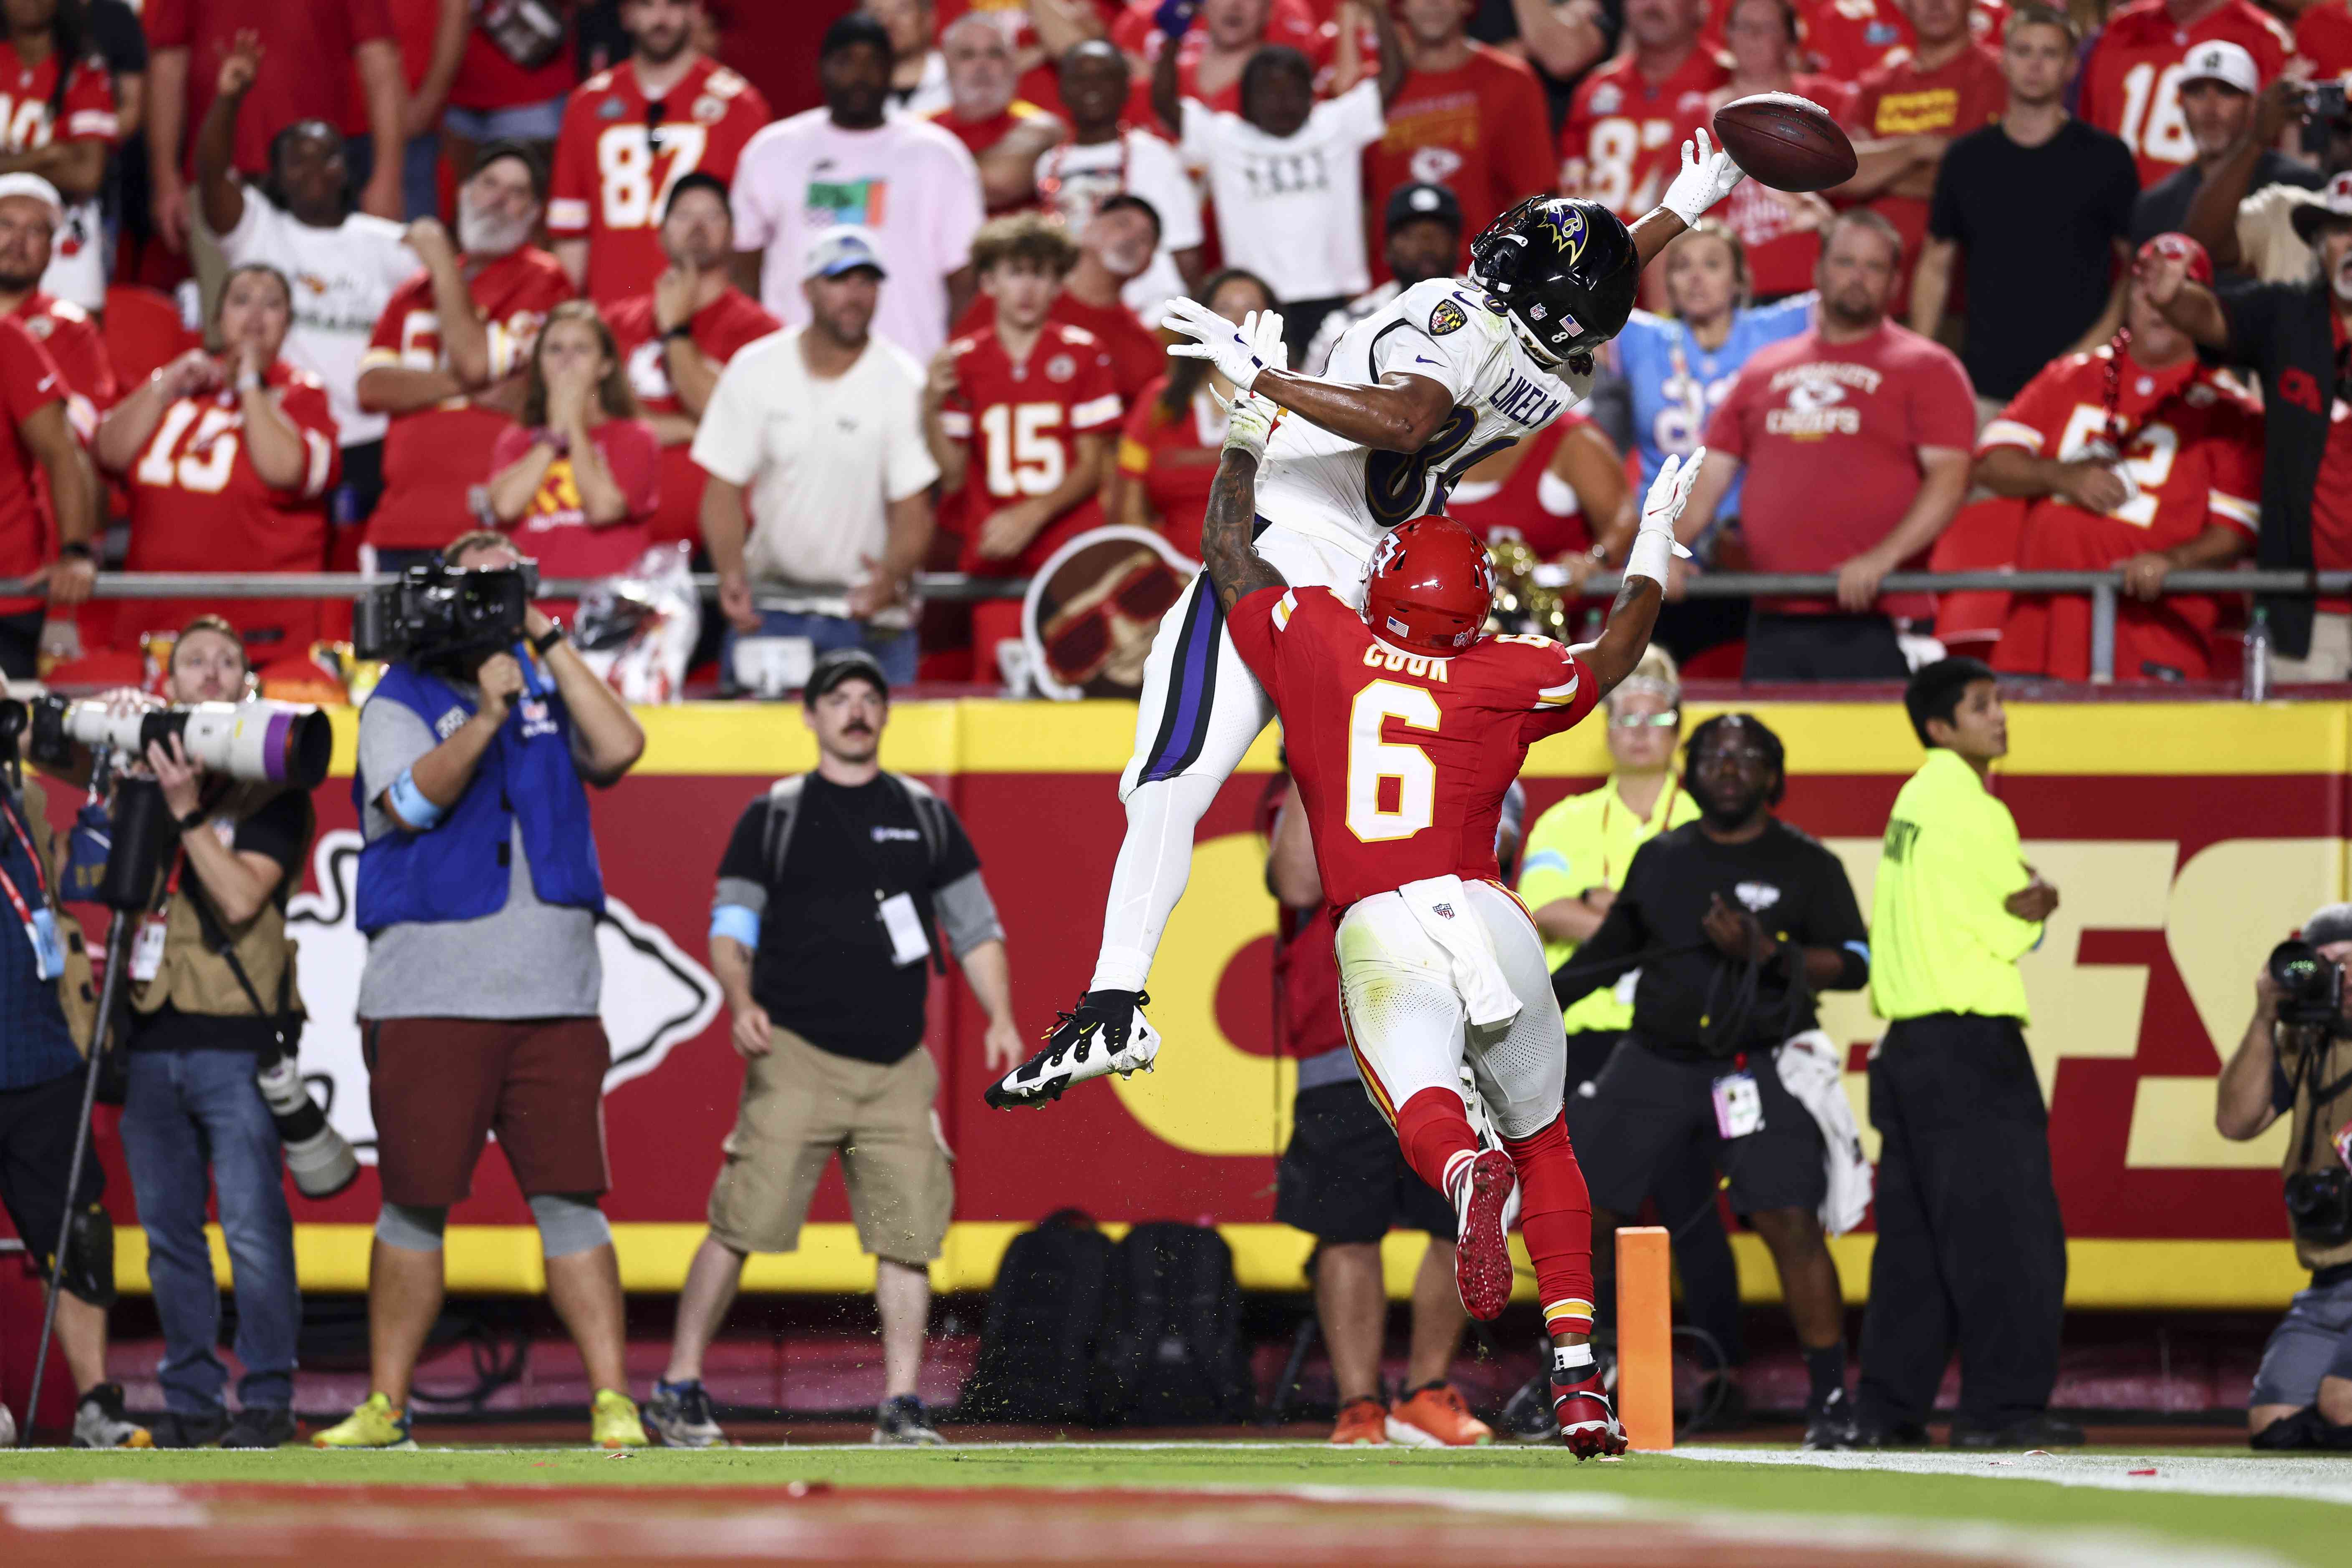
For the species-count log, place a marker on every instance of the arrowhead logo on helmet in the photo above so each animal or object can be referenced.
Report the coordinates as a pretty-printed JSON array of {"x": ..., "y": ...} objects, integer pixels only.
[{"x": 1431, "y": 587}]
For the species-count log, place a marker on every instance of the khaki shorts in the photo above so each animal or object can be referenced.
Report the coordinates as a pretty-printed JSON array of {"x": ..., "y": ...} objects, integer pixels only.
[{"x": 802, "y": 1105}]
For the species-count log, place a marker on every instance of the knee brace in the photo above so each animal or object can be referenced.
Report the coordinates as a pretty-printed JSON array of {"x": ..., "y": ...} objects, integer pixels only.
[
  {"x": 88, "y": 1270},
  {"x": 569, "y": 1223},
  {"x": 411, "y": 1228}
]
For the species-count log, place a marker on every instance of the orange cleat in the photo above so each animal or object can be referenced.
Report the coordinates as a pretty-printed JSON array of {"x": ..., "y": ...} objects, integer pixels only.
[
  {"x": 1435, "y": 1417},
  {"x": 1364, "y": 1424}
]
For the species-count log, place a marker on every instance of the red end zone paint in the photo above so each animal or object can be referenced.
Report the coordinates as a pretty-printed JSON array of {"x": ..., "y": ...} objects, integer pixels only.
[{"x": 426, "y": 1526}]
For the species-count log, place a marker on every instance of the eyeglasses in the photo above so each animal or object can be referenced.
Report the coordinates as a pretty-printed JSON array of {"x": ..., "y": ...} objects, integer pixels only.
[{"x": 1669, "y": 719}]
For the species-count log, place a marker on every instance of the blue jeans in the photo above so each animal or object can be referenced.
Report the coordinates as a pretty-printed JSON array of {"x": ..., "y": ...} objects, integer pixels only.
[
  {"x": 894, "y": 651},
  {"x": 518, "y": 122},
  {"x": 187, "y": 1109},
  {"x": 420, "y": 178}
]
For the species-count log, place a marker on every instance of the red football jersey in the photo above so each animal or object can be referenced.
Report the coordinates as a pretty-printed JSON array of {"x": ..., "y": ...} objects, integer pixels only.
[
  {"x": 78, "y": 347},
  {"x": 27, "y": 121},
  {"x": 433, "y": 457},
  {"x": 2193, "y": 450},
  {"x": 555, "y": 530},
  {"x": 2131, "y": 81},
  {"x": 2323, "y": 36},
  {"x": 1531, "y": 505},
  {"x": 1023, "y": 422},
  {"x": 721, "y": 329},
  {"x": 1402, "y": 759},
  {"x": 305, "y": 73},
  {"x": 1844, "y": 39},
  {"x": 197, "y": 504},
  {"x": 1964, "y": 94},
  {"x": 1622, "y": 144},
  {"x": 615, "y": 168},
  {"x": 29, "y": 380},
  {"x": 1175, "y": 461},
  {"x": 1467, "y": 129},
  {"x": 1139, "y": 356}
]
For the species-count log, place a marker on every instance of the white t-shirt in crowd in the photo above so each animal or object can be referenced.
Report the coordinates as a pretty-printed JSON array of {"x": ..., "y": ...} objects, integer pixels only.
[
  {"x": 342, "y": 277},
  {"x": 1077, "y": 180},
  {"x": 822, "y": 461},
  {"x": 1290, "y": 208},
  {"x": 911, "y": 183}
]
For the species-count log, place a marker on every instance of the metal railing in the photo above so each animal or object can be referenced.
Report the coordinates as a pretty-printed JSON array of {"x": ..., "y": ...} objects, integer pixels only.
[{"x": 2102, "y": 588}]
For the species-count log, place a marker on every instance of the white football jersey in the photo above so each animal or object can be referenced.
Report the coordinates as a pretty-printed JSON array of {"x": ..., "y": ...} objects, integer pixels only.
[{"x": 1324, "y": 484}]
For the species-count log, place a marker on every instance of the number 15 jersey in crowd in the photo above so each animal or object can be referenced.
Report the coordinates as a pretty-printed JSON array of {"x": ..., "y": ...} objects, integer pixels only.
[
  {"x": 1329, "y": 487},
  {"x": 1401, "y": 759}
]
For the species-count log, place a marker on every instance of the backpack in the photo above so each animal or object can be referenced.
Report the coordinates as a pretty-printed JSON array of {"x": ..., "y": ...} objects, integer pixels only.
[
  {"x": 931, "y": 817},
  {"x": 1045, "y": 1327},
  {"x": 1174, "y": 1354}
]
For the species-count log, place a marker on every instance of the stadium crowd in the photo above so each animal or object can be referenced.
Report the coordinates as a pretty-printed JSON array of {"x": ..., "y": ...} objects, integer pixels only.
[{"x": 1027, "y": 183}]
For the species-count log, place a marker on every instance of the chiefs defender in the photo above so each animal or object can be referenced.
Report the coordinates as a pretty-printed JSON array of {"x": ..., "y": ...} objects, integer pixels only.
[
  {"x": 1405, "y": 724},
  {"x": 2135, "y": 456},
  {"x": 1021, "y": 418}
]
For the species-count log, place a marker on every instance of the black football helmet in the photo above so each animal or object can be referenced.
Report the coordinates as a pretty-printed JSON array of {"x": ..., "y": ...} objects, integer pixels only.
[{"x": 1565, "y": 271}]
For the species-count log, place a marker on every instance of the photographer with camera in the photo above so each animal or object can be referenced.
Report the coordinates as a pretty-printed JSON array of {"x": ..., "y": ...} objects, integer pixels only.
[
  {"x": 213, "y": 1005},
  {"x": 44, "y": 1029},
  {"x": 2296, "y": 1061},
  {"x": 479, "y": 889}
]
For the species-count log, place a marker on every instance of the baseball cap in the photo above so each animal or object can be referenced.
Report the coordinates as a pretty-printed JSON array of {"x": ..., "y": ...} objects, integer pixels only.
[
  {"x": 842, "y": 249},
  {"x": 2332, "y": 203},
  {"x": 1409, "y": 204},
  {"x": 2328, "y": 923},
  {"x": 2182, "y": 248},
  {"x": 39, "y": 189},
  {"x": 836, "y": 665},
  {"x": 2222, "y": 61}
]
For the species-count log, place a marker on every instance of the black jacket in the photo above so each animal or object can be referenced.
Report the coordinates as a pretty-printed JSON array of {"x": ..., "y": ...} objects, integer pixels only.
[{"x": 2282, "y": 331}]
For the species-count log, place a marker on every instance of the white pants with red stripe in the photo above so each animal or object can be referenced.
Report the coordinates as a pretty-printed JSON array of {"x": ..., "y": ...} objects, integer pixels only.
[{"x": 1410, "y": 1030}]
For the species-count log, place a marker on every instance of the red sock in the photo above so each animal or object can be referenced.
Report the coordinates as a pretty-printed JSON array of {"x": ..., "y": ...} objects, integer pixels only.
[
  {"x": 1556, "y": 1219},
  {"x": 1433, "y": 1130}
]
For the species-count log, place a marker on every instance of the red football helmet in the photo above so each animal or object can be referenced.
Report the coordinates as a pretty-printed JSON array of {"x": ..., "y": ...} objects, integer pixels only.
[{"x": 1431, "y": 586}]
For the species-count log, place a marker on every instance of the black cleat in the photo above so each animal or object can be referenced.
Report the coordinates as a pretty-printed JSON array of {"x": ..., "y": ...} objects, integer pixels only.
[{"x": 1108, "y": 1033}]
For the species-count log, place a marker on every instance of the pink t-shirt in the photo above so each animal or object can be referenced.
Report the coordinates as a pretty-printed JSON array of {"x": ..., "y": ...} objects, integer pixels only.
[
  {"x": 1830, "y": 435},
  {"x": 555, "y": 531}
]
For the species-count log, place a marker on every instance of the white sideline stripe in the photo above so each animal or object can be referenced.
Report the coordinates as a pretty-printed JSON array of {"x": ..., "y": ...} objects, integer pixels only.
[{"x": 2305, "y": 1480}]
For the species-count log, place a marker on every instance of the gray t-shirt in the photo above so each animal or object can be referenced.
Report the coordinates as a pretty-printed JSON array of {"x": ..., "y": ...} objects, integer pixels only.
[{"x": 530, "y": 960}]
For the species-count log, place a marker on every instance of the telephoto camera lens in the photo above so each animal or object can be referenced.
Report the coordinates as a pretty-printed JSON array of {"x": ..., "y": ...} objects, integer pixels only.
[{"x": 321, "y": 1161}]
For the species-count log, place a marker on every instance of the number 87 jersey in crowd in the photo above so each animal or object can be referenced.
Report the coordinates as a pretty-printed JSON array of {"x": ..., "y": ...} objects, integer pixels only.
[{"x": 1449, "y": 331}]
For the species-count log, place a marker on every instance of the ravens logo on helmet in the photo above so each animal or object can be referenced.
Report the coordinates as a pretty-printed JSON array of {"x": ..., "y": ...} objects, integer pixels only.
[{"x": 1565, "y": 271}]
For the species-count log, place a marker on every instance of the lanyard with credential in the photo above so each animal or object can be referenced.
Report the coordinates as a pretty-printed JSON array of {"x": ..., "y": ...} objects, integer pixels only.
[{"x": 40, "y": 924}]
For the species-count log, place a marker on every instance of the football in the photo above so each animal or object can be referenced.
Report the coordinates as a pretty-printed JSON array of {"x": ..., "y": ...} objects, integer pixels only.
[{"x": 1787, "y": 143}]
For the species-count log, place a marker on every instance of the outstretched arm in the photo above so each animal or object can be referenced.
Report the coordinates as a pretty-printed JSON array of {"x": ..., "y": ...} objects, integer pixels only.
[
  {"x": 1707, "y": 176},
  {"x": 1613, "y": 655},
  {"x": 1236, "y": 568},
  {"x": 1397, "y": 414}
]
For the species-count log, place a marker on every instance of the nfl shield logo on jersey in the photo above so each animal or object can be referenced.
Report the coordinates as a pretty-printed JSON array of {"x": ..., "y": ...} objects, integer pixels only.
[{"x": 1445, "y": 909}]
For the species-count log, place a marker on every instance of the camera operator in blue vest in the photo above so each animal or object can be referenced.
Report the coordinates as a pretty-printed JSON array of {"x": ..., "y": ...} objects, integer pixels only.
[{"x": 479, "y": 890}]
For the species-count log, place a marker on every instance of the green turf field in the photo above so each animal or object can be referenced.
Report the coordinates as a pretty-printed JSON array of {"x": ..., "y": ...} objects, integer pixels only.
[{"x": 2188, "y": 1503}]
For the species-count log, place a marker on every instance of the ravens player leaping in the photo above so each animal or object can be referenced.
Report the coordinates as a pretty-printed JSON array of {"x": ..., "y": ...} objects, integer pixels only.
[{"x": 1450, "y": 372}]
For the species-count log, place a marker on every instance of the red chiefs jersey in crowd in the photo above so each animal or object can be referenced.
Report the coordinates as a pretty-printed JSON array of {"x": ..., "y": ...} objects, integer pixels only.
[
  {"x": 1139, "y": 356},
  {"x": 720, "y": 330},
  {"x": 28, "y": 381},
  {"x": 2323, "y": 36},
  {"x": 617, "y": 158},
  {"x": 1472, "y": 129},
  {"x": 1402, "y": 759},
  {"x": 1532, "y": 504},
  {"x": 554, "y": 530},
  {"x": 1022, "y": 422},
  {"x": 2191, "y": 446},
  {"x": 78, "y": 347},
  {"x": 197, "y": 504},
  {"x": 305, "y": 73},
  {"x": 28, "y": 120},
  {"x": 1287, "y": 22},
  {"x": 2131, "y": 80},
  {"x": 1829, "y": 436},
  {"x": 435, "y": 457},
  {"x": 1623, "y": 143},
  {"x": 1174, "y": 458},
  {"x": 1964, "y": 94},
  {"x": 980, "y": 136},
  {"x": 1844, "y": 39}
]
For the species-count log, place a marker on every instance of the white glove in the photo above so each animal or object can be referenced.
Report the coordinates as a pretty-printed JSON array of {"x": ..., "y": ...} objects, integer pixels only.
[
  {"x": 1238, "y": 352},
  {"x": 1708, "y": 173},
  {"x": 1250, "y": 422},
  {"x": 1655, "y": 544}
]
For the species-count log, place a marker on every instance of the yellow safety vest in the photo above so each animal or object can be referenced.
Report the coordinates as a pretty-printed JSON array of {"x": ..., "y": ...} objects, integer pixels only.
[
  {"x": 1940, "y": 940},
  {"x": 1588, "y": 841}
]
